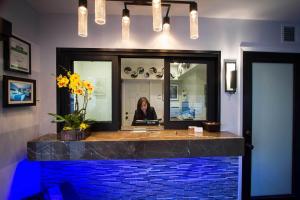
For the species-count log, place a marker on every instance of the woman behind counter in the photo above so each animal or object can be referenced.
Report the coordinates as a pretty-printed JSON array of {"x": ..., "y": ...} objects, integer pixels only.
[{"x": 144, "y": 111}]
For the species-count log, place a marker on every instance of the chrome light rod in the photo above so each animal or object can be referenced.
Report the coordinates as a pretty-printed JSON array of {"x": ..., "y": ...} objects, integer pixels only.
[{"x": 138, "y": 3}]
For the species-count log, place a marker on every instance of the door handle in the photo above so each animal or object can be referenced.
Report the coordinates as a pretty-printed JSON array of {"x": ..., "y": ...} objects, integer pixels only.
[
  {"x": 249, "y": 146},
  {"x": 126, "y": 117}
]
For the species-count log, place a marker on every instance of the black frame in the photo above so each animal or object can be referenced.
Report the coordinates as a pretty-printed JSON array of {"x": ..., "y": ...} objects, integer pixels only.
[
  {"x": 266, "y": 57},
  {"x": 233, "y": 80},
  {"x": 7, "y": 54},
  {"x": 6, "y": 103},
  {"x": 5, "y": 27},
  {"x": 66, "y": 60},
  {"x": 212, "y": 92},
  {"x": 65, "y": 57}
]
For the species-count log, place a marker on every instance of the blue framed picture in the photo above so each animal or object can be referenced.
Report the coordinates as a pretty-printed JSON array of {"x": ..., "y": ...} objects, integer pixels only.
[{"x": 18, "y": 91}]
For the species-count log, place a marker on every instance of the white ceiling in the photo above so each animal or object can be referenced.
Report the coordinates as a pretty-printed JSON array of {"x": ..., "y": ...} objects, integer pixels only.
[{"x": 231, "y": 9}]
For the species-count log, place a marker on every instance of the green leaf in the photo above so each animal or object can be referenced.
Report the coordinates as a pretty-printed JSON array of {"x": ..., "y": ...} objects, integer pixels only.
[{"x": 58, "y": 118}]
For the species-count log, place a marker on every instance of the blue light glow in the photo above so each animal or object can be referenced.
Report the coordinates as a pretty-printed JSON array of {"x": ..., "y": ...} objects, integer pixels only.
[
  {"x": 193, "y": 178},
  {"x": 26, "y": 180}
]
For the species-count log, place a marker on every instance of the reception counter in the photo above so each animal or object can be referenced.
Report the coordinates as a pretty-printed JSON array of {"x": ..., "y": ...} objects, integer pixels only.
[
  {"x": 164, "y": 164},
  {"x": 137, "y": 145}
]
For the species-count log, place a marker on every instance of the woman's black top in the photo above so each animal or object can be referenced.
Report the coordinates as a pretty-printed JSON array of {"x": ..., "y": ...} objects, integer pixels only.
[{"x": 139, "y": 115}]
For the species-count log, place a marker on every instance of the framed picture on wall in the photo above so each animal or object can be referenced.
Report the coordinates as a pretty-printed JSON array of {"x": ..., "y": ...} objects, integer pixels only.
[
  {"x": 18, "y": 91},
  {"x": 17, "y": 55},
  {"x": 173, "y": 92}
]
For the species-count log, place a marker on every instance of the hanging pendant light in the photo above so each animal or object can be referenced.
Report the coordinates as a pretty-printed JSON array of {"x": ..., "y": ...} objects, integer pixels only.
[
  {"x": 157, "y": 18},
  {"x": 193, "y": 21},
  {"x": 125, "y": 25},
  {"x": 82, "y": 18},
  {"x": 166, "y": 25},
  {"x": 100, "y": 12}
]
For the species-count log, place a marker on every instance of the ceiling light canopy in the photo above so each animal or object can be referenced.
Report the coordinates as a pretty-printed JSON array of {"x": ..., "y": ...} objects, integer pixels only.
[{"x": 159, "y": 23}]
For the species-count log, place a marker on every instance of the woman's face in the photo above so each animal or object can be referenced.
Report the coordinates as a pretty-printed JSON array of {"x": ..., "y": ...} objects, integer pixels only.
[{"x": 144, "y": 106}]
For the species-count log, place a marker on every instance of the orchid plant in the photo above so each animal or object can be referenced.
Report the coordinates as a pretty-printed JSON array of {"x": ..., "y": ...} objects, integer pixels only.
[{"x": 78, "y": 88}]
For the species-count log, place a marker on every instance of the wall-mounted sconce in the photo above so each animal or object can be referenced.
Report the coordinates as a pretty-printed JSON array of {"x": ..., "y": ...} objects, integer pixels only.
[{"x": 230, "y": 76}]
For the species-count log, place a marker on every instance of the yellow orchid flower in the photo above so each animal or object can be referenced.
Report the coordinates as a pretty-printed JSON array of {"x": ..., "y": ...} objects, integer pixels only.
[
  {"x": 62, "y": 81},
  {"x": 78, "y": 91},
  {"x": 74, "y": 77},
  {"x": 83, "y": 126},
  {"x": 67, "y": 128},
  {"x": 59, "y": 77},
  {"x": 88, "y": 86}
]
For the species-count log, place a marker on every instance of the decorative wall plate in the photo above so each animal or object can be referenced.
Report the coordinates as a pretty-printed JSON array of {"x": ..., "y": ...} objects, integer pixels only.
[
  {"x": 134, "y": 74},
  {"x": 146, "y": 75},
  {"x": 140, "y": 70},
  {"x": 152, "y": 70},
  {"x": 127, "y": 70}
]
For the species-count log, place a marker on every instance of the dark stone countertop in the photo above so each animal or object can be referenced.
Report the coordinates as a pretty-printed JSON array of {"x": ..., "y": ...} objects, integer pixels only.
[{"x": 137, "y": 145}]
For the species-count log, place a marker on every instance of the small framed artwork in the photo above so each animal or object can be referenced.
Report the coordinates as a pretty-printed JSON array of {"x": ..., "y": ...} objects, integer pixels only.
[
  {"x": 18, "y": 91},
  {"x": 173, "y": 92},
  {"x": 17, "y": 55}
]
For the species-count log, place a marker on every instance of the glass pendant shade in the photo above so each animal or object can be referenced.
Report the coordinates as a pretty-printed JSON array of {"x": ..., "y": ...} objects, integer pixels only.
[
  {"x": 82, "y": 21},
  {"x": 194, "y": 22},
  {"x": 157, "y": 18},
  {"x": 125, "y": 25},
  {"x": 100, "y": 12}
]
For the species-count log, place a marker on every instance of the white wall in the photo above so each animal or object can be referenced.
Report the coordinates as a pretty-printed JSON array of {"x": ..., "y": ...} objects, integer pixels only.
[
  {"x": 18, "y": 125},
  {"x": 225, "y": 35}
]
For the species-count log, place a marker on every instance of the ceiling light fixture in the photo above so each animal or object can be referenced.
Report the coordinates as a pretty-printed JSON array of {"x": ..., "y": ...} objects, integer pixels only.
[
  {"x": 82, "y": 18},
  {"x": 159, "y": 24},
  {"x": 125, "y": 24},
  {"x": 100, "y": 12}
]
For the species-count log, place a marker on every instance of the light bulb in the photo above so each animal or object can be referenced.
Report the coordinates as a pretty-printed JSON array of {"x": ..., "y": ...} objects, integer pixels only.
[
  {"x": 100, "y": 12},
  {"x": 125, "y": 25},
  {"x": 157, "y": 18},
  {"x": 194, "y": 21},
  {"x": 166, "y": 26},
  {"x": 82, "y": 19},
  {"x": 230, "y": 67}
]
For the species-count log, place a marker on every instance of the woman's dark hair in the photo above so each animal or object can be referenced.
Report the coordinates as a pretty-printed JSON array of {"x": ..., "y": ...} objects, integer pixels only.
[{"x": 140, "y": 101}]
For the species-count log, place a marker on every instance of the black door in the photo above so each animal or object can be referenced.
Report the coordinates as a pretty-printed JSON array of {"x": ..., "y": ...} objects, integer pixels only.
[{"x": 271, "y": 125}]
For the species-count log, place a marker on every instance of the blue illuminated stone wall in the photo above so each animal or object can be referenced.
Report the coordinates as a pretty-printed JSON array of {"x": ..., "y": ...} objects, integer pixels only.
[{"x": 182, "y": 178}]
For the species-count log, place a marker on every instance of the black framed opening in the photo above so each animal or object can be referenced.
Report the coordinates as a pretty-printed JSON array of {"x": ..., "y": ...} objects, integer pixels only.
[
  {"x": 66, "y": 60},
  {"x": 212, "y": 91},
  {"x": 266, "y": 57},
  {"x": 66, "y": 57}
]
